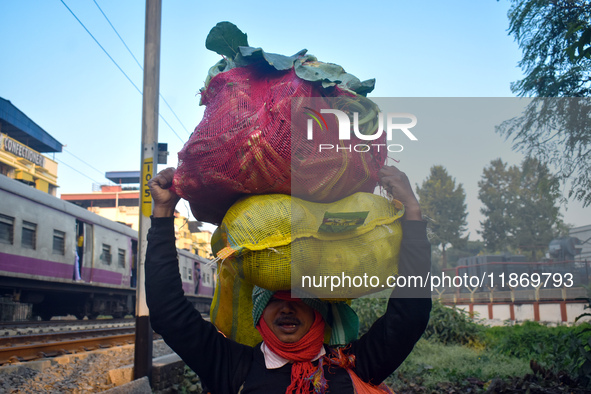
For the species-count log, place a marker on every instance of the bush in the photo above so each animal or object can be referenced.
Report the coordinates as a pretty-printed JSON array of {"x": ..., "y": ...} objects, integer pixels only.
[
  {"x": 554, "y": 351},
  {"x": 559, "y": 356},
  {"x": 452, "y": 326},
  {"x": 446, "y": 325},
  {"x": 368, "y": 310}
]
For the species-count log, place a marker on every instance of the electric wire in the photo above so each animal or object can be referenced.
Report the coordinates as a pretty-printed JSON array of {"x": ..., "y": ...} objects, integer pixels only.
[
  {"x": 99, "y": 44},
  {"x": 117, "y": 65},
  {"x": 81, "y": 173},
  {"x": 171, "y": 110},
  {"x": 116, "y": 32},
  {"x": 97, "y": 170},
  {"x": 139, "y": 65}
]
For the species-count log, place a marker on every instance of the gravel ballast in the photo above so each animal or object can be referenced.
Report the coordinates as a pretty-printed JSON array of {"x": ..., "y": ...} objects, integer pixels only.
[{"x": 76, "y": 373}]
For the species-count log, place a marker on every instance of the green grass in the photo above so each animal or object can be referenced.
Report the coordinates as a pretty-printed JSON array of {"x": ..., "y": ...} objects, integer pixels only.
[
  {"x": 457, "y": 353},
  {"x": 432, "y": 364}
]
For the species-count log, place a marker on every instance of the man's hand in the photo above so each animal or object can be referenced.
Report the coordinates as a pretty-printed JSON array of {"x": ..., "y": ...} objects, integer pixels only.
[
  {"x": 165, "y": 200},
  {"x": 397, "y": 183}
]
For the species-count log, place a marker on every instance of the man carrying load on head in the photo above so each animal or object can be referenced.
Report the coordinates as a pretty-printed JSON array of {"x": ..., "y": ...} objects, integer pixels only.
[{"x": 292, "y": 357}]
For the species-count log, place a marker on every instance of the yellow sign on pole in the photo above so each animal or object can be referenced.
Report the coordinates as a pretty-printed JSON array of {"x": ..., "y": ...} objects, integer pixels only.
[{"x": 146, "y": 196}]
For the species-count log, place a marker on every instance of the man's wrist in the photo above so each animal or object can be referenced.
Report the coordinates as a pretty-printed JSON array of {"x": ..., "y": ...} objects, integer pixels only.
[
  {"x": 163, "y": 211},
  {"x": 413, "y": 212}
]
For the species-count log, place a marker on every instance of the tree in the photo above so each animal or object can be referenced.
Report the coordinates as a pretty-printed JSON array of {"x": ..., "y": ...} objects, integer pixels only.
[
  {"x": 555, "y": 37},
  {"x": 444, "y": 204},
  {"x": 497, "y": 193},
  {"x": 520, "y": 207},
  {"x": 549, "y": 32}
]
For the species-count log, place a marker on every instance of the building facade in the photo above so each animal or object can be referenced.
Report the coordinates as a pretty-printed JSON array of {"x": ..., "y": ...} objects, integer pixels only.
[{"x": 22, "y": 143}]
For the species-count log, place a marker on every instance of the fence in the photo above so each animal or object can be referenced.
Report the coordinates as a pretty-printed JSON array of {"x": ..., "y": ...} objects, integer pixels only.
[{"x": 501, "y": 281}]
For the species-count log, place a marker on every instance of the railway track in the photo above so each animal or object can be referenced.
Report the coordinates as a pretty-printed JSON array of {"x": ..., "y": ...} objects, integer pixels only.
[
  {"x": 20, "y": 348},
  {"x": 37, "y": 327},
  {"x": 64, "y": 322}
]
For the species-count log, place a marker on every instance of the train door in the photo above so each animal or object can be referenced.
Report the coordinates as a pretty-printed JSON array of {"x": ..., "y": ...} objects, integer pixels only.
[
  {"x": 87, "y": 251},
  {"x": 79, "y": 250},
  {"x": 133, "y": 263},
  {"x": 197, "y": 277}
]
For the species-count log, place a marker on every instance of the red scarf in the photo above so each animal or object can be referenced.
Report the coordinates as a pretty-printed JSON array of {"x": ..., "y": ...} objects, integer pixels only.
[{"x": 301, "y": 352}]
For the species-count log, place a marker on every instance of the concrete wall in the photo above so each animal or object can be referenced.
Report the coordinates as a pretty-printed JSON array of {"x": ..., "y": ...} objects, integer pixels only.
[{"x": 545, "y": 312}]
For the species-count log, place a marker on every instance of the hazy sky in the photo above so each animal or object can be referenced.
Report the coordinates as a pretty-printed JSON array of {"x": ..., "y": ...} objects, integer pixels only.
[{"x": 54, "y": 71}]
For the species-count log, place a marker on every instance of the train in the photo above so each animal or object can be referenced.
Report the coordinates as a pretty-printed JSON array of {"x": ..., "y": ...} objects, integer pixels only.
[{"x": 59, "y": 259}]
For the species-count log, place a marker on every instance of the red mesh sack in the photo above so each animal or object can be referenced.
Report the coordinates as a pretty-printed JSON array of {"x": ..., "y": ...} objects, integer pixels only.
[{"x": 248, "y": 143}]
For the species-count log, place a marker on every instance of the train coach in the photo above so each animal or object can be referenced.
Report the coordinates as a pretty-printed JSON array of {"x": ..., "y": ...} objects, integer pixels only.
[{"x": 61, "y": 259}]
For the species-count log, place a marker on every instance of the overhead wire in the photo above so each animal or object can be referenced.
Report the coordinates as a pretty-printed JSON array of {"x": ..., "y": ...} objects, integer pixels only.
[
  {"x": 89, "y": 165},
  {"x": 117, "y": 65},
  {"x": 139, "y": 65},
  {"x": 99, "y": 44},
  {"x": 81, "y": 173},
  {"x": 116, "y": 32}
]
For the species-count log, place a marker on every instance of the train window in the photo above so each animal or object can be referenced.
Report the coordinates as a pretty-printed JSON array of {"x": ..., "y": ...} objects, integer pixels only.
[
  {"x": 184, "y": 272},
  {"x": 29, "y": 235},
  {"x": 59, "y": 242},
  {"x": 190, "y": 274},
  {"x": 121, "y": 258},
  {"x": 6, "y": 229},
  {"x": 106, "y": 255}
]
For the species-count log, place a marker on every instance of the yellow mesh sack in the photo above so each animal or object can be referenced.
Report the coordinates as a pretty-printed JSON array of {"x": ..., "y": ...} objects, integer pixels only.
[
  {"x": 231, "y": 307},
  {"x": 268, "y": 238}
]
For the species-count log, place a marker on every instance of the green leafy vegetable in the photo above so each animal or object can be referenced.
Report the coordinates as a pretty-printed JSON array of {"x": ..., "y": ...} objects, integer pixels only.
[
  {"x": 249, "y": 55},
  {"x": 225, "y": 38},
  {"x": 332, "y": 74},
  {"x": 229, "y": 41}
]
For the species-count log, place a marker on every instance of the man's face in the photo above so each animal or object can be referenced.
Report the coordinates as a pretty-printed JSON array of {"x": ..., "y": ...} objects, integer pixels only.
[{"x": 289, "y": 320}]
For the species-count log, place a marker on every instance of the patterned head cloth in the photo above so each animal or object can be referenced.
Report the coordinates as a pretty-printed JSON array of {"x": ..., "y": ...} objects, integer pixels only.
[{"x": 339, "y": 316}]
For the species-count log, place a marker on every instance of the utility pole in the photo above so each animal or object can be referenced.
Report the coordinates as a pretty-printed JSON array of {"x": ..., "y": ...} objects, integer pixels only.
[{"x": 149, "y": 158}]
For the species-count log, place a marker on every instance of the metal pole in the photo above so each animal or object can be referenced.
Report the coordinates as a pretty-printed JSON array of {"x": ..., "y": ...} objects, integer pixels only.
[{"x": 143, "y": 331}]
